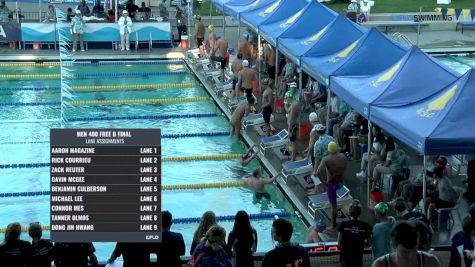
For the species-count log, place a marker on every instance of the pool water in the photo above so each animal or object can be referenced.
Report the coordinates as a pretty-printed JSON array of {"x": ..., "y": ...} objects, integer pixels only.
[
  {"x": 25, "y": 141},
  {"x": 458, "y": 63}
]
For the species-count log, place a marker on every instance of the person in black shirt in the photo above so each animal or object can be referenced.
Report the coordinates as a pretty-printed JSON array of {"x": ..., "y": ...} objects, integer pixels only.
[
  {"x": 98, "y": 9},
  {"x": 352, "y": 237},
  {"x": 172, "y": 246},
  {"x": 131, "y": 8},
  {"x": 13, "y": 251},
  {"x": 74, "y": 254},
  {"x": 285, "y": 252},
  {"x": 243, "y": 240},
  {"x": 402, "y": 213},
  {"x": 146, "y": 11},
  {"x": 133, "y": 254},
  {"x": 42, "y": 255}
]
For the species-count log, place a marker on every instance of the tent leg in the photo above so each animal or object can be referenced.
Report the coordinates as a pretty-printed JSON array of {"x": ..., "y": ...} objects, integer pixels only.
[
  {"x": 368, "y": 169},
  {"x": 238, "y": 36},
  {"x": 224, "y": 26},
  {"x": 424, "y": 188},
  {"x": 276, "y": 69},
  {"x": 328, "y": 109},
  {"x": 258, "y": 56}
]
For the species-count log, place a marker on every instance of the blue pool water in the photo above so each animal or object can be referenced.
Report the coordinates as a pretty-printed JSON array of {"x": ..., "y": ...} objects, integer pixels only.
[{"x": 27, "y": 142}]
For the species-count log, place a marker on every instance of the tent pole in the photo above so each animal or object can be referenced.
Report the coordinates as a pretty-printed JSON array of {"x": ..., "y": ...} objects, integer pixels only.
[
  {"x": 276, "y": 69},
  {"x": 224, "y": 25},
  {"x": 424, "y": 187},
  {"x": 258, "y": 56},
  {"x": 39, "y": 11},
  {"x": 116, "y": 10},
  {"x": 328, "y": 107},
  {"x": 190, "y": 14},
  {"x": 300, "y": 79},
  {"x": 17, "y": 14},
  {"x": 238, "y": 36},
  {"x": 368, "y": 168}
]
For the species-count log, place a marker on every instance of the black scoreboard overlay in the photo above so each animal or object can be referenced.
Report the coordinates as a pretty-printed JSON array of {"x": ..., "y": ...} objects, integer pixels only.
[{"x": 105, "y": 185}]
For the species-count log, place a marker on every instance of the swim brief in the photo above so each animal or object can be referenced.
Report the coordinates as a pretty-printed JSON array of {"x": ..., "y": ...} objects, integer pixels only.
[
  {"x": 331, "y": 191},
  {"x": 293, "y": 133},
  {"x": 260, "y": 195},
  {"x": 199, "y": 41},
  {"x": 235, "y": 80},
  {"x": 266, "y": 112},
  {"x": 221, "y": 60},
  {"x": 247, "y": 91}
]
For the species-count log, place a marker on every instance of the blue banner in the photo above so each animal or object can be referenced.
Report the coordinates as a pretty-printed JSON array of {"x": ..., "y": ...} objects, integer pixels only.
[
  {"x": 96, "y": 32},
  {"x": 10, "y": 32}
]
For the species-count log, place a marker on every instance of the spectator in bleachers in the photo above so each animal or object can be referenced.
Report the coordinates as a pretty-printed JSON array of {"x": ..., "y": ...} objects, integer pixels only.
[
  {"x": 163, "y": 11},
  {"x": 42, "y": 254},
  {"x": 77, "y": 29},
  {"x": 69, "y": 14},
  {"x": 172, "y": 246},
  {"x": 403, "y": 212},
  {"x": 381, "y": 240},
  {"x": 13, "y": 251},
  {"x": 378, "y": 153},
  {"x": 4, "y": 12},
  {"x": 125, "y": 29},
  {"x": 316, "y": 93},
  {"x": 338, "y": 111},
  {"x": 207, "y": 220},
  {"x": 286, "y": 253},
  {"x": 242, "y": 240},
  {"x": 51, "y": 16},
  {"x": 445, "y": 196},
  {"x": 111, "y": 16},
  {"x": 404, "y": 240},
  {"x": 343, "y": 130},
  {"x": 74, "y": 254},
  {"x": 353, "y": 6},
  {"x": 267, "y": 103},
  {"x": 180, "y": 22},
  {"x": 131, "y": 8},
  {"x": 199, "y": 31},
  {"x": 146, "y": 11},
  {"x": 133, "y": 254},
  {"x": 287, "y": 76},
  {"x": 83, "y": 8},
  {"x": 462, "y": 249},
  {"x": 210, "y": 251},
  {"x": 392, "y": 165},
  {"x": 98, "y": 9},
  {"x": 353, "y": 236}
]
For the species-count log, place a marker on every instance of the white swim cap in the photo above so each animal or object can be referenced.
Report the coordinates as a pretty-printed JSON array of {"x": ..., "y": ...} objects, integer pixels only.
[{"x": 245, "y": 63}]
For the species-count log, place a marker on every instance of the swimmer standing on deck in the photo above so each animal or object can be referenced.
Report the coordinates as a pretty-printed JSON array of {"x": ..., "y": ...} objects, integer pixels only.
[{"x": 258, "y": 184}]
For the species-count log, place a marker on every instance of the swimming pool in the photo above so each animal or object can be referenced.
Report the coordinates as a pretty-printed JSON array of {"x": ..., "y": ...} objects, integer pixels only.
[
  {"x": 24, "y": 140},
  {"x": 461, "y": 64}
]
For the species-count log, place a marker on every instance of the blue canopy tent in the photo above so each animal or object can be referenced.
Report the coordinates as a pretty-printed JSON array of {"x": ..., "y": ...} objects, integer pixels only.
[
  {"x": 433, "y": 125},
  {"x": 335, "y": 36},
  {"x": 234, "y": 7},
  {"x": 219, "y": 4},
  {"x": 284, "y": 16},
  {"x": 372, "y": 53},
  {"x": 414, "y": 77},
  {"x": 260, "y": 12}
]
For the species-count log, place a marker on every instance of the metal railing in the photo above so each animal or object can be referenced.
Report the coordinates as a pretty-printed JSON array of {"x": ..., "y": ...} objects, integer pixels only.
[{"x": 401, "y": 38}]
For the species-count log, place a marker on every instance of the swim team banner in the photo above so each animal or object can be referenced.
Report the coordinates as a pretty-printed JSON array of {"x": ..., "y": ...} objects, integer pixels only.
[
  {"x": 96, "y": 32},
  {"x": 10, "y": 32}
]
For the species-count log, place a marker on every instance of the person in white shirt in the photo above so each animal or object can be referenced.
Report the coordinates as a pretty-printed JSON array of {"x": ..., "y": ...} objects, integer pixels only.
[
  {"x": 125, "y": 28},
  {"x": 365, "y": 8}
]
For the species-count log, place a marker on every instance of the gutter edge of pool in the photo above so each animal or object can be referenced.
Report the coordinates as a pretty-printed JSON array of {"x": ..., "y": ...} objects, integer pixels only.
[
  {"x": 92, "y": 57},
  {"x": 284, "y": 189}
]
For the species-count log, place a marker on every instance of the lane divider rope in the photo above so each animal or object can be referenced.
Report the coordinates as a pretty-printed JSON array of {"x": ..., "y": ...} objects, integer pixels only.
[
  {"x": 168, "y": 136},
  {"x": 48, "y": 64},
  {"x": 110, "y": 102},
  {"x": 255, "y": 216},
  {"x": 90, "y": 75},
  {"x": 135, "y": 86},
  {"x": 150, "y": 117},
  {"x": 137, "y": 101},
  {"x": 105, "y": 87},
  {"x": 186, "y": 158}
]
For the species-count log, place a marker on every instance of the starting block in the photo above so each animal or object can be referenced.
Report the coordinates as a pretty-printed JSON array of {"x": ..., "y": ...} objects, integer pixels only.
[
  {"x": 277, "y": 143},
  {"x": 256, "y": 122},
  {"x": 301, "y": 170},
  {"x": 226, "y": 86},
  {"x": 319, "y": 202},
  {"x": 233, "y": 102}
]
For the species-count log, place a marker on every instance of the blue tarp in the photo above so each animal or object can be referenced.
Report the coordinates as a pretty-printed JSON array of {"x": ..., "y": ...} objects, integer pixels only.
[
  {"x": 219, "y": 4},
  {"x": 371, "y": 54},
  {"x": 284, "y": 16},
  {"x": 439, "y": 124},
  {"x": 254, "y": 16},
  {"x": 414, "y": 77},
  {"x": 234, "y": 7}
]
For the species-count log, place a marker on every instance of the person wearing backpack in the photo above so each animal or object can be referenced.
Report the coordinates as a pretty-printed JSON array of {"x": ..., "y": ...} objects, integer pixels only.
[
  {"x": 286, "y": 253},
  {"x": 210, "y": 251}
]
